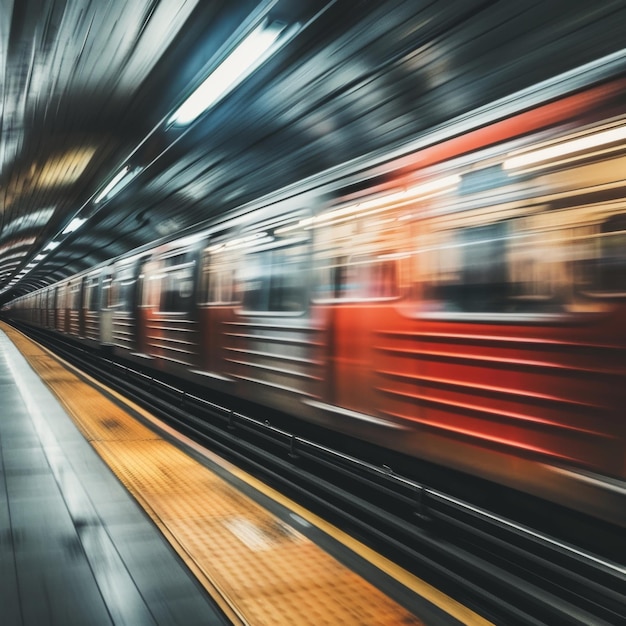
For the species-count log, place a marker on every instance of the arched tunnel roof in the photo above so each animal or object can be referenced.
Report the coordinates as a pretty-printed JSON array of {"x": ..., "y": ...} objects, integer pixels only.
[{"x": 90, "y": 90}]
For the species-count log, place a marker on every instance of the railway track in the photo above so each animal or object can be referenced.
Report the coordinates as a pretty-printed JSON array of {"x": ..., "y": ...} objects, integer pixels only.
[{"x": 505, "y": 570}]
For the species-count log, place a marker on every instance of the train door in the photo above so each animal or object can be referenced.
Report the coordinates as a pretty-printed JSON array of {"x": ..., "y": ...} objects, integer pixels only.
[
  {"x": 51, "y": 321},
  {"x": 170, "y": 323},
  {"x": 43, "y": 308},
  {"x": 90, "y": 318},
  {"x": 37, "y": 310},
  {"x": 73, "y": 307},
  {"x": 60, "y": 304},
  {"x": 106, "y": 311},
  {"x": 364, "y": 290},
  {"x": 356, "y": 302},
  {"x": 217, "y": 299},
  {"x": 272, "y": 345},
  {"x": 125, "y": 302}
]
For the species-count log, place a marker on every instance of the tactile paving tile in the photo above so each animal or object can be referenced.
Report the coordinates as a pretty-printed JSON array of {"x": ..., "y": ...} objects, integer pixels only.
[
  {"x": 247, "y": 553},
  {"x": 269, "y": 573}
]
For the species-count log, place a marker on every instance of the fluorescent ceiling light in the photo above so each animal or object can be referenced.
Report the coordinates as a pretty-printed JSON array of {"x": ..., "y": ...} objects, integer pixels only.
[
  {"x": 51, "y": 245},
  {"x": 28, "y": 221},
  {"x": 241, "y": 62},
  {"x": 66, "y": 168},
  {"x": 18, "y": 243},
  {"x": 74, "y": 225},
  {"x": 567, "y": 147},
  {"x": 117, "y": 183},
  {"x": 15, "y": 255}
]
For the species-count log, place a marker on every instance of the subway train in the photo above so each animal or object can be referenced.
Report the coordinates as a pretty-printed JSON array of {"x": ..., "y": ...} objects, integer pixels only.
[{"x": 463, "y": 302}]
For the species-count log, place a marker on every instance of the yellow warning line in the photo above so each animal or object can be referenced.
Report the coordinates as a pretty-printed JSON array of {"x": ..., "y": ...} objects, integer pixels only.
[{"x": 258, "y": 570}]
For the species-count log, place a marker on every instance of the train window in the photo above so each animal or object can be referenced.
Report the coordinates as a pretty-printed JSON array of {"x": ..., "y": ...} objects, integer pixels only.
[
  {"x": 74, "y": 299},
  {"x": 91, "y": 293},
  {"x": 218, "y": 282},
  {"x": 612, "y": 263},
  {"x": 177, "y": 284},
  {"x": 350, "y": 279},
  {"x": 359, "y": 278},
  {"x": 275, "y": 280},
  {"x": 383, "y": 279},
  {"x": 469, "y": 271},
  {"x": 221, "y": 286},
  {"x": 123, "y": 288},
  {"x": 287, "y": 287},
  {"x": 484, "y": 282},
  {"x": 60, "y": 297},
  {"x": 105, "y": 293},
  {"x": 255, "y": 280},
  {"x": 599, "y": 257}
]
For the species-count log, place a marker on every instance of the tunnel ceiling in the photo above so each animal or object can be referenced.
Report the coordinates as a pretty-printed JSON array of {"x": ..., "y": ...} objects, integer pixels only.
[{"x": 88, "y": 86}]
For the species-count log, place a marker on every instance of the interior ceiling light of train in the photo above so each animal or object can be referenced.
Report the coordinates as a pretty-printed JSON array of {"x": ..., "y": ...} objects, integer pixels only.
[{"x": 123, "y": 123}]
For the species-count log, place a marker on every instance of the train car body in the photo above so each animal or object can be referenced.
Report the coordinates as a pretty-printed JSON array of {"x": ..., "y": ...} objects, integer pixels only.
[{"x": 464, "y": 303}]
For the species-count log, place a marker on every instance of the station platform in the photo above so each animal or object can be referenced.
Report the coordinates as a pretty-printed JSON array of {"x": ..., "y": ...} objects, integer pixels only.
[{"x": 107, "y": 516}]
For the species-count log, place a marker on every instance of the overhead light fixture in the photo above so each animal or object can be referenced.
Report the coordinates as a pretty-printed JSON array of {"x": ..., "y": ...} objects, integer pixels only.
[
  {"x": 117, "y": 183},
  {"x": 17, "y": 243},
  {"x": 65, "y": 168},
  {"x": 564, "y": 148},
  {"x": 14, "y": 258},
  {"x": 28, "y": 221},
  {"x": 241, "y": 62},
  {"x": 74, "y": 225},
  {"x": 52, "y": 245}
]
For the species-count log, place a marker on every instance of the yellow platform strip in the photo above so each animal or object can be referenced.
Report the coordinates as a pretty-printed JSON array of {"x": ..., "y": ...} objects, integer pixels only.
[{"x": 260, "y": 570}]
